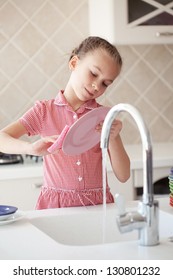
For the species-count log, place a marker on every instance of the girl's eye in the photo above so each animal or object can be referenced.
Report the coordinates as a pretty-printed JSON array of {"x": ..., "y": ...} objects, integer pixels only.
[
  {"x": 93, "y": 74},
  {"x": 105, "y": 85}
]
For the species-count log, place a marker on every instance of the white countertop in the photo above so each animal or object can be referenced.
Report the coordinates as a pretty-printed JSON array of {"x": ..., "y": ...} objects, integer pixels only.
[
  {"x": 21, "y": 170},
  {"x": 22, "y": 240},
  {"x": 162, "y": 157}
]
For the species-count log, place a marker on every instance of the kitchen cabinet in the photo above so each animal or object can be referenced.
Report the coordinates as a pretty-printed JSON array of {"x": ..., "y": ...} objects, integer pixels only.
[
  {"x": 20, "y": 183},
  {"x": 162, "y": 163},
  {"x": 22, "y": 193},
  {"x": 132, "y": 21},
  {"x": 160, "y": 181},
  {"x": 133, "y": 188}
]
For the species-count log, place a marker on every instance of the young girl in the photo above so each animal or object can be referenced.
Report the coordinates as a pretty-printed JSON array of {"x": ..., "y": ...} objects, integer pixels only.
[{"x": 72, "y": 180}]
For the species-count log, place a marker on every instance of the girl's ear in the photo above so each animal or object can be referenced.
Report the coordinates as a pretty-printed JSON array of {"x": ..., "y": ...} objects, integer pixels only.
[{"x": 73, "y": 62}]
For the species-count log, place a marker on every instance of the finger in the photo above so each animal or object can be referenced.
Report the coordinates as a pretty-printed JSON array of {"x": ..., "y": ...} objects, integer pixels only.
[
  {"x": 50, "y": 139},
  {"x": 99, "y": 126}
]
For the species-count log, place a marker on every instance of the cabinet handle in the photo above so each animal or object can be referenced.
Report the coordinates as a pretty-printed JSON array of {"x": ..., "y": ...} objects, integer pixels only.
[{"x": 166, "y": 34}]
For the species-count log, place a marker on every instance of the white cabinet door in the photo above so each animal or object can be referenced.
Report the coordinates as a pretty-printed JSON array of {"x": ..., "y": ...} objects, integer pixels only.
[
  {"x": 22, "y": 193},
  {"x": 132, "y": 21}
]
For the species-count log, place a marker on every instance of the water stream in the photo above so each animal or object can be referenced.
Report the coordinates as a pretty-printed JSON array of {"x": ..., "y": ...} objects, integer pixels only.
[{"x": 104, "y": 164}]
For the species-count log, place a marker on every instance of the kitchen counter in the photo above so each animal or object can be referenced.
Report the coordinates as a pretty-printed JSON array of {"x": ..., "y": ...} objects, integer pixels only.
[
  {"x": 27, "y": 177},
  {"x": 20, "y": 184},
  {"x": 28, "y": 169},
  {"x": 22, "y": 240},
  {"x": 162, "y": 157}
]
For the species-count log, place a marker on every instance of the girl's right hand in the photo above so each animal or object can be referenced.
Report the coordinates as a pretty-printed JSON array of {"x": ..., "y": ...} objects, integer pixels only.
[{"x": 39, "y": 147}]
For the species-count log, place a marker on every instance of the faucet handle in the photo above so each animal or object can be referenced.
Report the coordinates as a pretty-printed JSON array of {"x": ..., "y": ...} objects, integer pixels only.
[{"x": 120, "y": 202}]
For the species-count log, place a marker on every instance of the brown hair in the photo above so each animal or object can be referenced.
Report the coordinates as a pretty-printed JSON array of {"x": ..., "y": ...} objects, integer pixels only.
[{"x": 92, "y": 43}]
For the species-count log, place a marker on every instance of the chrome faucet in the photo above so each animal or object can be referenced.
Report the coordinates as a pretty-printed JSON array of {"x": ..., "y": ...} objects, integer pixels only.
[{"x": 145, "y": 219}]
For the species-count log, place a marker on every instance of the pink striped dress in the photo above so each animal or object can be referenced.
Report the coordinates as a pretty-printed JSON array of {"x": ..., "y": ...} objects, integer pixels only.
[{"x": 68, "y": 180}]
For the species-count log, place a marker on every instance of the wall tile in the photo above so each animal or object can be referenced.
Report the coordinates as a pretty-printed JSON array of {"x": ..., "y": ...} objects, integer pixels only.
[
  {"x": 129, "y": 57},
  {"x": 36, "y": 40},
  {"x": 48, "y": 19},
  {"x": 49, "y": 53},
  {"x": 31, "y": 80},
  {"x": 29, "y": 40},
  {"x": 11, "y": 60},
  {"x": 147, "y": 110},
  {"x": 159, "y": 94},
  {"x": 168, "y": 75},
  {"x": 141, "y": 76},
  {"x": 81, "y": 21},
  {"x": 168, "y": 112},
  {"x": 3, "y": 40},
  {"x": 62, "y": 75},
  {"x": 9, "y": 97},
  {"x": 3, "y": 81},
  {"x": 158, "y": 57},
  {"x": 160, "y": 130},
  {"x": 11, "y": 19},
  {"x": 123, "y": 93},
  {"x": 68, "y": 41},
  {"x": 67, "y": 7},
  {"x": 28, "y": 7}
]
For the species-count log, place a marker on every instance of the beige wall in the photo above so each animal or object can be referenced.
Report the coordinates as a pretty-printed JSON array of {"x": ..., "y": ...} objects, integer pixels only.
[{"x": 36, "y": 39}]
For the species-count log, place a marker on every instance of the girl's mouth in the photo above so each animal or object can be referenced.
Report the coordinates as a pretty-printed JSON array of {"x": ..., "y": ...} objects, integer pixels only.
[{"x": 90, "y": 93}]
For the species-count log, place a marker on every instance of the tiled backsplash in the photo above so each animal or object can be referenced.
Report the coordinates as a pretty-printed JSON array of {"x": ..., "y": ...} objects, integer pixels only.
[{"x": 36, "y": 39}]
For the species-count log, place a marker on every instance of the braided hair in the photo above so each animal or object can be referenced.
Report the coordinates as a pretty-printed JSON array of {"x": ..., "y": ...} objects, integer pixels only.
[{"x": 93, "y": 43}]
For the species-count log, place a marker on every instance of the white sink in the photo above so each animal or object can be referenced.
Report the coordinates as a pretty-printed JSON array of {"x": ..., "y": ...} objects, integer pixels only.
[
  {"x": 88, "y": 227},
  {"x": 77, "y": 233}
]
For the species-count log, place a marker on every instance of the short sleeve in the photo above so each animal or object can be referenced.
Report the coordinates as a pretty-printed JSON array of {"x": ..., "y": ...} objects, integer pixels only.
[{"x": 34, "y": 118}]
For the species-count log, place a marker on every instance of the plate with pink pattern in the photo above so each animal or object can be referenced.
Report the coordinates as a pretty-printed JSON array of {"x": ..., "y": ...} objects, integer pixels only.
[{"x": 83, "y": 135}]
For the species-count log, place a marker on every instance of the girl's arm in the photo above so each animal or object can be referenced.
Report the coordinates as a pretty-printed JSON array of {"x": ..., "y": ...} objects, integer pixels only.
[
  {"x": 11, "y": 144},
  {"x": 119, "y": 159}
]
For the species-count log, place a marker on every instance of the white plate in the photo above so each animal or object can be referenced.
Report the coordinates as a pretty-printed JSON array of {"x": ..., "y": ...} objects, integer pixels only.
[
  {"x": 82, "y": 135},
  {"x": 5, "y": 217},
  {"x": 18, "y": 215}
]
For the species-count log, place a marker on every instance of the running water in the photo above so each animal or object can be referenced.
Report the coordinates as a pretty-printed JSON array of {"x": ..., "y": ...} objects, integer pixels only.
[{"x": 104, "y": 160}]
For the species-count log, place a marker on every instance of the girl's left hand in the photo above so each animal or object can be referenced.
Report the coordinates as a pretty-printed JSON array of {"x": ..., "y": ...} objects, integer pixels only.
[{"x": 115, "y": 129}]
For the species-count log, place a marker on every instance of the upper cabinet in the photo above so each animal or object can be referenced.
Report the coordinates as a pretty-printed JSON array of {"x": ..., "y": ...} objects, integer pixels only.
[{"x": 132, "y": 21}]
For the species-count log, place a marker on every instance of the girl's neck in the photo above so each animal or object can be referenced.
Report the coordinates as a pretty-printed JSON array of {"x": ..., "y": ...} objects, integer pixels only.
[{"x": 72, "y": 99}]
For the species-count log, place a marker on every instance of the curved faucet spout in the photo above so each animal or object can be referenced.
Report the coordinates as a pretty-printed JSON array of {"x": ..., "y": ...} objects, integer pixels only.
[
  {"x": 146, "y": 219},
  {"x": 148, "y": 196}
]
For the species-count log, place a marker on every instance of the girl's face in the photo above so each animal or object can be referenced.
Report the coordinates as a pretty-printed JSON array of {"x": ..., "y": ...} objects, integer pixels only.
[{"x": 92, "y": 74}]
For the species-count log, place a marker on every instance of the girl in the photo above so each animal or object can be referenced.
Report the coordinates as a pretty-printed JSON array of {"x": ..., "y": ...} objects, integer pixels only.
[{"x": 72, "y": 180}]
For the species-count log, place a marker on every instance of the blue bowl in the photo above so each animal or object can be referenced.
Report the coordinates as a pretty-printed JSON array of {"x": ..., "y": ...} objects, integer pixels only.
[{"x": 6, "y": 210}]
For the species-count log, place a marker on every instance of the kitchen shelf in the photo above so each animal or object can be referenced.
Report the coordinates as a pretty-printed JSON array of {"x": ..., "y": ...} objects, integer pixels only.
[{"x": 132, "y": 21}]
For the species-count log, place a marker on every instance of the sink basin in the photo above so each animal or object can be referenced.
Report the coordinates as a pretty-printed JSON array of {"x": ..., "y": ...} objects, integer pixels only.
[
  {"x": 91, "y": 227},
  {"x": 82, "y": 228}
]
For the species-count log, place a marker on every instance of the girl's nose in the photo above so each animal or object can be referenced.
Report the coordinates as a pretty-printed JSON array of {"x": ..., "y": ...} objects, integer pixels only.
[{"x": 94, "y": 86}]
